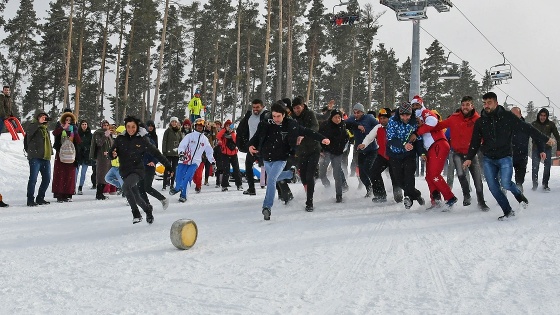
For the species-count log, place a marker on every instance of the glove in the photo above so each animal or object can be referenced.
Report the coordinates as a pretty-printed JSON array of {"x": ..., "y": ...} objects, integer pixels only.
[
  {"x": 142, "y": 131},
  {"x": 70, "y": 128}
]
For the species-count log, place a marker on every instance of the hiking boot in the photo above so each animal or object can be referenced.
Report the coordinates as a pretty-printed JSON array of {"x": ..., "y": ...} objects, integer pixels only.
[
  {"x": 379, "y": 199},
  {"x": 266, "y": 213},
  {"x": 407, "y": 203},
  {"x": 150, "y": 215},
  {"x": 80, "y": 191},
  {"x": 165, "y": 203},
  {"x": 239, "y": 187},
  {"x": 338, "y": 198},
  {"x": 309, "y": 205},
  {"x": 466, "y": 200},
  {"x": 136, "y": 220},
  {"x": 32, "y": 204},
  {"x": 523, "y": 202},
  {"x": 100, "y": 197},
  {"x": 506, "y": 216},
  {"x": 397, "y": 195},
  {"x": 3, "y": 205},
  {"x": 546, "y": 188},
  {"x": 41, "y": 202},
  {"x": 173, "y": 191},
  {"x": 369, "y": 192},
  {"x": 421, "y": 201},
  {"x": 250, "y": 192}
]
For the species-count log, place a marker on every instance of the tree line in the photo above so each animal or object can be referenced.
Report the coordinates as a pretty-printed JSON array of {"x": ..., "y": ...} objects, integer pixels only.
[{"x": 228, "y": 49}]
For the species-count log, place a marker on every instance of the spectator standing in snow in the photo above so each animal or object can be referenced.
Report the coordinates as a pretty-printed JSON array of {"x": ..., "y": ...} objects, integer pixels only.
[
  {"x": 39, "y": 152},
  {"x": 169, "y": 144},
  {"x": 101, "y": 142},
  {"x": 548, "y": 128},
  {"x": 82, "y": 154},
  {"x": 227, "y": 141},
  {"x": 64, "y": 175}
]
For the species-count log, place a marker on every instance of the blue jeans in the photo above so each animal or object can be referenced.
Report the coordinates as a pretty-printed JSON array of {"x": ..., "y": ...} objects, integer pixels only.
[
  {"x": 114, "y": 178},
  {"x": 536, "y": 160},
  {"x": 83, "y": 172},
  {"x": 37, "y": 166},
  {"x": 274, "y": 174},
  {"x": 502, "y": 168},
  {"x": 184, "y": 176}
]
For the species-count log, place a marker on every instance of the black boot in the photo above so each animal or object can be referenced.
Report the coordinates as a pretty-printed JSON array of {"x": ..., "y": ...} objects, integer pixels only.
[
  {"x": 99, "y": 195},
  {"x": 481, "y": 203},
  {"x": 309, "y": 205}
]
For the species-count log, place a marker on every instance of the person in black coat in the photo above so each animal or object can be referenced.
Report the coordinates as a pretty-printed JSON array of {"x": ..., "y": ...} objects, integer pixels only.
[
  {"x": 335, "y": 130},
  {"x": 520, "y": 146},
  {"x": 82, "y": 153},
  {"x": 131, "y": 147},
  {"x": 492, "y": 134},
  {"x": 274, "y": 140}
]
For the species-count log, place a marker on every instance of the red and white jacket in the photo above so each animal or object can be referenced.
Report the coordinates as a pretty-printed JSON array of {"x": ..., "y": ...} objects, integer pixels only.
[{"x": 427, "y": 130}]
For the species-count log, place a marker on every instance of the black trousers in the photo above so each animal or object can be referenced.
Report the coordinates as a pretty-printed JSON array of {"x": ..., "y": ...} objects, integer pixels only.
[
  {"x": 379, "y": 165},
  {"x": 232, "y": 160},
  {"x": 170, "y": 180},
  {"x": 145, "y": 185},
  {"x": 520, "y": 168},
  {"x": 365, "y": 163},
  {"x": 404, "y": 176},
  {"x": 132, "y": 193},
  {"x": 249, "y": 174},
  {"x": 307, "y": 165}
]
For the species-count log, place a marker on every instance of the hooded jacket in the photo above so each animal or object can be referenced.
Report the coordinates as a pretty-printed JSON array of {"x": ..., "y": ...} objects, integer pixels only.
[
  {"x": 307, "y": 146},
  {"x": 337, "y": 134},
  {"x": 493, "y": 133},
  {"x": 35, "y": 137},
  {"x": 171, "y": 139},
  {"x": 548, "y": 128}
]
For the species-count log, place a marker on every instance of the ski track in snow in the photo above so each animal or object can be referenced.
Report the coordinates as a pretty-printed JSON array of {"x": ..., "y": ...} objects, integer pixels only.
[{"x": 351, "y": 258}]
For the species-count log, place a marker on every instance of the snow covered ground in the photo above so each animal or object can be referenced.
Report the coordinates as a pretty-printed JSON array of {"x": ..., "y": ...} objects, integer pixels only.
[{"x": 86, "y": 257}]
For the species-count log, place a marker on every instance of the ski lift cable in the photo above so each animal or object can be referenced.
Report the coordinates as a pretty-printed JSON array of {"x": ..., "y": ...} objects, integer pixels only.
[
  {"x": 471, "y": 67},
  {"x": 501, "y": 53}
]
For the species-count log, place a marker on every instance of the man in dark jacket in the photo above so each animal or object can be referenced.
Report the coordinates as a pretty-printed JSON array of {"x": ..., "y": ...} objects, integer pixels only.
[
  {"x": 548, "y": 128},
  {"x": 335, "y": 130},
  {"x": 492, "y": 134},
  {"x": 5, "y": 106},
  {"x": 245, "y": 131},
  {"x": 308, "y": 150},
  {"x": 273, "y": 140},
  {"x": 520, "y": 147},
  {"x": 39, "y": 152},
  {"x": 131, "y": 147},
  {"x": 361, "y": 124},
  {"x": 169, "y": 144}
]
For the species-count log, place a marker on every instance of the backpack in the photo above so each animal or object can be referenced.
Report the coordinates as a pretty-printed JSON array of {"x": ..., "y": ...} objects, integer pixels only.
[{"x": 67, "y": 153}]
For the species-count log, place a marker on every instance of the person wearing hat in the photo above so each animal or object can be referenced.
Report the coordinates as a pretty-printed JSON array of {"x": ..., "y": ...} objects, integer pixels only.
[
  {"x": 169, "y": 144},
  {"x": 195, "y": 106},
  {"x": 335, "y": 130},
  {"x": 402, "y": 147},
  {"x": 437, "y": 148},
  {"x": 361, "y": 124},
  {"x": 186, "y": 127},
  {"x": 39, "y": 152},
  {"x": 131, "y": 147},
  {"x": 227, "y": 141},
  {"x": 190, "y": 156},
  {"x": 382, "y": 160},
  {"x": 245, "y": 131}
]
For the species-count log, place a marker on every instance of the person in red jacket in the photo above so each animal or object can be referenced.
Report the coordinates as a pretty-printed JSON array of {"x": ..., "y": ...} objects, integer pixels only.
[
  {"x": 461, "y": 125},
  {"x": 227, "y": 142},
  {"x": 438, "y": 149}
]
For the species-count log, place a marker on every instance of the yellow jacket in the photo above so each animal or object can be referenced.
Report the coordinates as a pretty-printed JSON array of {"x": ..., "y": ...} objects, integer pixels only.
[{"x": 195, "y": 106}]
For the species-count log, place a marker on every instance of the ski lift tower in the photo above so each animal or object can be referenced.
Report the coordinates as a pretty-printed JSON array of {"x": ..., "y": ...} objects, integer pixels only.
[{"x": 409, "y": 10}]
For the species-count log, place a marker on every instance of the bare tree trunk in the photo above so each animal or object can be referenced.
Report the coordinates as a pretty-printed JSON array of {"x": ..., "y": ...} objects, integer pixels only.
[
  {"x": 118, "y": 71},
  {"x": 248, "y": 72},
  {"x": 127, "y": 74},
  {"x": 100, "y": 88},
  {"x": 224, "y": 85},
  {"x": 310, "y": 79},
  {"x": 160, "y": 64},
  {"x": 79, "y": 76},
  {"x": 280, "y": 60},
  {"x": 215, "y": 79},
  {"x": 238, "y": 56},
  {"x": 370, "y": 79},
  {"x": 266, "y": 52},
  {"x": 146, "y": 103},
  {"x": 68, "y": 56},
  {"x": 289, "y": 74},
  {"x": 352, "y": 71}
]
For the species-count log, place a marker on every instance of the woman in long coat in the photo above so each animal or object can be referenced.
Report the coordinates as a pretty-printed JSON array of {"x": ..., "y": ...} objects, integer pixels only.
[{"x": 64, "y": 174}]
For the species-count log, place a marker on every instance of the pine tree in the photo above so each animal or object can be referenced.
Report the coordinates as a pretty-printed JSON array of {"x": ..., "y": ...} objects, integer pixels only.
[
  {"x": 386, "y": 80},
  {"x": 404, "y": 81},
  {"x": 20, "y": 41},
  {"x": 432, "y": 68},
  {"x": 315, "y": 45}
]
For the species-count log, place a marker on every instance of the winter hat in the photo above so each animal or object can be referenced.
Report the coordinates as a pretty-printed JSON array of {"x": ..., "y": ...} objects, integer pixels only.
[
  {"x": 359, "y": 107},
  {"x": 417, "y": 99},
  {"x": 67, "y": 110},
  {"x": 335, "y": 112},
  {"x": 174, "y": 119},
  {"x": 186, "y": 122},
  {"x": 384, "y": 112},
  {"x": 227, "y": 123},
  {"x": 405, "y": 108},
  {"x": 150, "y": 123}
]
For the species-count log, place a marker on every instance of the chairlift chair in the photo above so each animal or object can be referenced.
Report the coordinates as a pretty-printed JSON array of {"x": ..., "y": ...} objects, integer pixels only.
[
  {"x": 343, "y": 18},
  {"x": 451, "y": 70},
  {"x": 411, "y": 15},
  {"x": 500, "y": 72}
]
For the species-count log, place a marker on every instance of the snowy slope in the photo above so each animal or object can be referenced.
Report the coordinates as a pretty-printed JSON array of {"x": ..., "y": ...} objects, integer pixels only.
[{"x": 87, "y": 257}]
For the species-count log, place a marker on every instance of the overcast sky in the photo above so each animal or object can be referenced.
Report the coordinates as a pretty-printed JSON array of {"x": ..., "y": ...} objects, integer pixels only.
[{"x": 527, "y": 34}]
